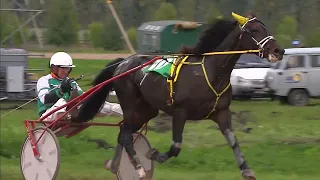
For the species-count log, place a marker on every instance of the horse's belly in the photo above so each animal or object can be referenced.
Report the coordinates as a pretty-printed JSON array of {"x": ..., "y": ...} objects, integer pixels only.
[{"x": 155, "y": 91}]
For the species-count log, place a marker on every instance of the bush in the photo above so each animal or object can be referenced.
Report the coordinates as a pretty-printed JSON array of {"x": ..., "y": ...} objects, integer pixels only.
[
  {"x": 112, "y": 38},
  {"x": 96, "y": 34},
  {"x": 166, "y": 11},
  {"x": 132, "y": 35},
  {"x": 62, "y": 23},
  {"x": 313, "y": 39}
]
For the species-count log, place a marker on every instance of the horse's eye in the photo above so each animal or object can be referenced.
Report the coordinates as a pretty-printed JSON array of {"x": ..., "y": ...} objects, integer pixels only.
[{"x": 254, "y": 31}]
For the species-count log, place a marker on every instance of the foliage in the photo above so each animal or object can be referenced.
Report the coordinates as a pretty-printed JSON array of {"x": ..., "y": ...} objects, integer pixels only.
[
  {"x": 9, "y": 22},
  {"x": 62, "y": 23},
  {"x": 112, "y": 38},
  {"x": 288, "y": 26},
  {"x": 213, "y": 14},
  {"x": 313, "y": 39},
  {"x": 166, "y": 11},
  {"x": 132, "y": 35},
  {"x": 286, "y": 31},
  {"x": 96, "y": 33},
  {"x": 286, "y": 19}
]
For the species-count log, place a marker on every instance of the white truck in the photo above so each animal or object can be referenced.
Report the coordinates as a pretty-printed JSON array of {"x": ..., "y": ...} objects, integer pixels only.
[{"x": 296, "y": 78}]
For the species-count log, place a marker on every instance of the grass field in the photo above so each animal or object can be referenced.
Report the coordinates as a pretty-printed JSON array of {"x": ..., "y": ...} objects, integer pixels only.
[{"x": 284, "y": 143}]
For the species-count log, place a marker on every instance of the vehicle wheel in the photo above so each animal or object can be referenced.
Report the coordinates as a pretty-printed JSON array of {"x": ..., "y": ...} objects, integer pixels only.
[
  {"x": 298, "y": 97},
  {"x": 47, "y": 167},
  {"x": 126, "y": 170}
]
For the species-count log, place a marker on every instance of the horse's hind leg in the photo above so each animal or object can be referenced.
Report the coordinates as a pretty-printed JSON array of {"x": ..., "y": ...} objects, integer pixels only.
[
  {"x": 223, "y": 118},
  {"x": 135, "y": 116}
]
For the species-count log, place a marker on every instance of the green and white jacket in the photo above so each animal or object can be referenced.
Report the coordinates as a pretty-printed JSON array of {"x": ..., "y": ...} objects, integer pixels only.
[{"x": 47, "y": 83}]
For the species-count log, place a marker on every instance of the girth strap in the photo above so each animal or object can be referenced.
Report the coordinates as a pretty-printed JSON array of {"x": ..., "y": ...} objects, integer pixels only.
[{"x": 176, "y": 72}]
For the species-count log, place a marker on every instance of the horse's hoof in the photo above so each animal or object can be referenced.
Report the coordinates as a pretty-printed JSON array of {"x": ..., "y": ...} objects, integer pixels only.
[
  {"x": 162, "y": 158},
  {"x": 148, "y": 176},
  {"x": 141, "y": 172},
  {"x": 108, "y": 166},
  {"x": 248, "y": 174},
  {"x": 152, "y": 153}
]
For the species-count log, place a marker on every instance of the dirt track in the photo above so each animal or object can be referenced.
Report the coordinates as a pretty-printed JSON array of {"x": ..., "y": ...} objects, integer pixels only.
[{"x": 96, "y": 56}]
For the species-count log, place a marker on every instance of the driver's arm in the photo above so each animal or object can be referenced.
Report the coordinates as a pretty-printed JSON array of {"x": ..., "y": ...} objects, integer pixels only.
[
  {"x": 78, "y": 88},
  {"x": 43, "y": 89}
]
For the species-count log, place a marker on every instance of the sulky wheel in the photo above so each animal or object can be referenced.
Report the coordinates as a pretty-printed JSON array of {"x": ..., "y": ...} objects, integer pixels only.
[
  {"x": 48, "y": 165},
  {"x": 126, "y": 170}
]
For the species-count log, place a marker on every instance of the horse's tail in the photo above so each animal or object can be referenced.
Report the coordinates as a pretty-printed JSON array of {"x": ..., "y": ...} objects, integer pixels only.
[{"x": 92, "y": 105}]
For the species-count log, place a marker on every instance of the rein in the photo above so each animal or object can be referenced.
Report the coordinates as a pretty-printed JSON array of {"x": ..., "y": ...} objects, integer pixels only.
[
  {"x": 77, "y": 79},
  {"x": 209, "y": 53},
  {"x": 85, "y": 75}
]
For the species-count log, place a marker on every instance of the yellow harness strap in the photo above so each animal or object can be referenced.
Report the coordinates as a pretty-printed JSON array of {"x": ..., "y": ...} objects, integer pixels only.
[
  {"x": 171, "y": 81},
  {"x": 174, "y": 79},
  {"x": 177, "y": 70},
  {"x": 212, "y": 89}
]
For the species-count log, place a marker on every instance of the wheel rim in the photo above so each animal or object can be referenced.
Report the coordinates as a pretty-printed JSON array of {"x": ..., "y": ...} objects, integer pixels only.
[
  {"x": 128, "y": 172},
  {"x": 299, "y": 99},
  {"x": 49, "y": 150}
]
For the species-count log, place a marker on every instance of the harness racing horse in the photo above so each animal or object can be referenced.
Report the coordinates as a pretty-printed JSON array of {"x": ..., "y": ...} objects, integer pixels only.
[{"x": 202, "y": 89}]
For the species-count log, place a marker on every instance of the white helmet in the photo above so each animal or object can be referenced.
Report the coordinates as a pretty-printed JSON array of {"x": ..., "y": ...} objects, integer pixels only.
[{"x": 61, "y": 59}]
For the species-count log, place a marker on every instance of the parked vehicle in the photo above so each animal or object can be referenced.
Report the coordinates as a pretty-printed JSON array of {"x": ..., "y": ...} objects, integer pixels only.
[
  {"x": 248, "y": 77},
  {"x": 295, "y": 79}
]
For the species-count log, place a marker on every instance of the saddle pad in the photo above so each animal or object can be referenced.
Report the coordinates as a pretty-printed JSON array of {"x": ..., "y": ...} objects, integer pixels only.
[{"x": 161, "y": 66}]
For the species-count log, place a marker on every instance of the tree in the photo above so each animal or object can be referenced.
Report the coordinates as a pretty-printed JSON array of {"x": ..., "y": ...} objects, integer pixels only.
[
  {"x": 112, "y": 38},
  {"x": 166, "y": 11},
  {"x": 132, "y": 35},
  {"x": 313, "y": 39},
  {"x": 213, "y": 14},
  {"x": 96, "y": 34},
  {"x": 288, "y": 26},
  {"x": 9, "y": 22},
  {"x": 286, "y": 31},
  {"x": 62, "y": 23}
]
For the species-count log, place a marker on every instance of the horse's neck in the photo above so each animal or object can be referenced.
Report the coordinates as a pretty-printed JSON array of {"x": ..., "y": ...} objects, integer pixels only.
[{"x": 227, "y": 62}]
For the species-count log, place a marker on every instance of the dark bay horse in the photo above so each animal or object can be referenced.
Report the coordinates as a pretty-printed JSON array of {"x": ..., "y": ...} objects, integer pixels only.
[{"x": 201, "y": 91}]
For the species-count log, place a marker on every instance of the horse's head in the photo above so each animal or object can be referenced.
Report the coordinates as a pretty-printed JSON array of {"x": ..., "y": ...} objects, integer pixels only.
[{"x": 256, "y": 35}]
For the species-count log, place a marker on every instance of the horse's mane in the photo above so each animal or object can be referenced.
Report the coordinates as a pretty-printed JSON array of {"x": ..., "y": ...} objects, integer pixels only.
[{"x": 211, "y": 38}]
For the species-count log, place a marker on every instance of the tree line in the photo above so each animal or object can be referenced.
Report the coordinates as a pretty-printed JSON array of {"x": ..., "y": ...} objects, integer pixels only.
[{"x": 287, "y": 19}]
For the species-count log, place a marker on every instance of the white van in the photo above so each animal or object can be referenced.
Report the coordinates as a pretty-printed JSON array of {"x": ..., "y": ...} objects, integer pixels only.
[
  {"x": 248, "y": 77},
  {"x": 296, "y": 78}
]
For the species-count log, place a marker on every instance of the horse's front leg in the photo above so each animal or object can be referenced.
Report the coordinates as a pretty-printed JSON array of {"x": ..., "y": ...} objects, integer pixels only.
[
  {"x": 223, "y": 118},
  {"x": 178, "y": 122}
]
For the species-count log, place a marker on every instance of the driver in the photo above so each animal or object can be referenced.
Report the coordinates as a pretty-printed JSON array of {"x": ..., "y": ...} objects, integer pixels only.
[{"x": 56, "y": 89}]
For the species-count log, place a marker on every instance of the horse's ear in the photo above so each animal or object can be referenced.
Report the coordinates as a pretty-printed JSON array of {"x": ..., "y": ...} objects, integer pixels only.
[
  {"x": 241, "y": 20},
  {"x": 250, "y": 15}
]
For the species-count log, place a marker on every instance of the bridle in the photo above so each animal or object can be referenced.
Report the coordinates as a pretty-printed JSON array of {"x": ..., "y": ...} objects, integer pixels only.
[{"x": 260, "y": 43}]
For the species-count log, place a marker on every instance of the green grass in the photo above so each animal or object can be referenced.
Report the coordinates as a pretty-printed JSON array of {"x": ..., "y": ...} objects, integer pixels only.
[{"x": 283, "y": 144}]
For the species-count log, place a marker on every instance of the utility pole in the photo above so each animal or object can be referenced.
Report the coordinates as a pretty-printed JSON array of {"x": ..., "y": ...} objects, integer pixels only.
[{"x": 124, "y": 34}]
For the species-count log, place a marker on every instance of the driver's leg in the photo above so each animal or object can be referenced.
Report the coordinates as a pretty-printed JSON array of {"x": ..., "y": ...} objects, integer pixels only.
[{"x": 110, "y": 109}]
